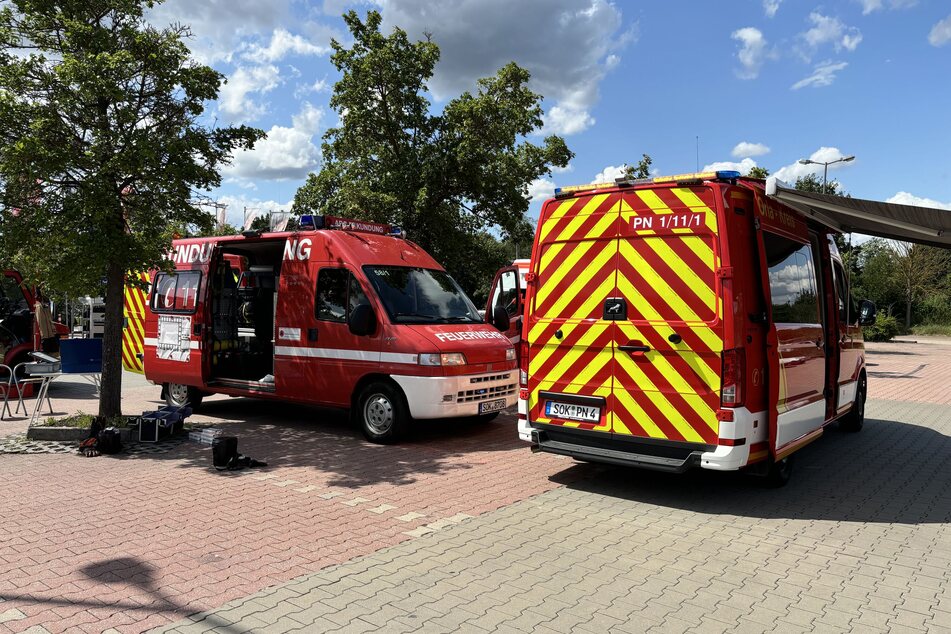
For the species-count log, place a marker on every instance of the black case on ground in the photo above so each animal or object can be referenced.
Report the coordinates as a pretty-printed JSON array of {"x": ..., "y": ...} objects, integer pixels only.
[{"x": 224, "y": 449}]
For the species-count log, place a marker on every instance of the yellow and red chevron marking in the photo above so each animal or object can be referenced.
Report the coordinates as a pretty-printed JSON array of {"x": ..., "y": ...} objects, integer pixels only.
[
  {"x": 576, "y": 274},
  {"x": 133, "y": 335},
  {"x": 669, "y": 281}
]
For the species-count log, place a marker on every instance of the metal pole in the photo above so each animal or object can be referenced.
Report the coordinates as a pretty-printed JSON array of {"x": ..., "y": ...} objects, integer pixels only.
[{"x": 825, "y": 176}]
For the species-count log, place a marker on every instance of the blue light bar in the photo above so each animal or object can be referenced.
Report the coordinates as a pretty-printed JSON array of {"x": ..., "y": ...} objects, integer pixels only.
[
  {"x": 307, "y": 221},
  {"x": 728, "y": 174}
]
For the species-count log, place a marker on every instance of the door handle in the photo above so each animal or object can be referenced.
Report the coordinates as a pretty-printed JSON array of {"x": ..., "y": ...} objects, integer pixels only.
[{"x": 631, "y": 348}]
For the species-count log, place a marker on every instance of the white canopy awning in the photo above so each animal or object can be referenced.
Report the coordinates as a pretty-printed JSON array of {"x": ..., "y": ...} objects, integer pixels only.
[{"x": 907, "y": 223}]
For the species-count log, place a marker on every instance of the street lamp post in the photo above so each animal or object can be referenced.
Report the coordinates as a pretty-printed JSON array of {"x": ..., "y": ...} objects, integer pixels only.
[{"x": 826, "y": 164}]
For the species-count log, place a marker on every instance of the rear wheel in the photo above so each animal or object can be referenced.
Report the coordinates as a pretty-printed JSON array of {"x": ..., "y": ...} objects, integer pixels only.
[
  {"x": 780, "y": 471},
  {"x": 381, "y": 413},
  {"x": 855, "y": 419},
  {"x": 178, "y": 395}
]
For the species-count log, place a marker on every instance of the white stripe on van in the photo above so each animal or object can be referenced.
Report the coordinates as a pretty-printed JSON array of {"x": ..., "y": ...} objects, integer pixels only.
[
  {"x": 152, "y": 341},
  {"x": 346, "y": 355}
]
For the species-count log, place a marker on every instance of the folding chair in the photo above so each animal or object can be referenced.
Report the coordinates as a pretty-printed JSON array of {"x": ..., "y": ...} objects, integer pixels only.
[
  {"x": 21, "y": 377},
  {"x": 6, "y": 385}
]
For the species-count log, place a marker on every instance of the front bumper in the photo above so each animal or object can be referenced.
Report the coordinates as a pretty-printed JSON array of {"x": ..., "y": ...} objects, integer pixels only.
[{"x": 457, "y": 396}]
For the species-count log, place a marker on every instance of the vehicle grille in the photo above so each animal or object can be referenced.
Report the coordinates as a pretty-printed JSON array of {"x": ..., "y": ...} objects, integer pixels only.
[
  {"x": 492, "y": 377},
  {"x": 485, "y": 393}
]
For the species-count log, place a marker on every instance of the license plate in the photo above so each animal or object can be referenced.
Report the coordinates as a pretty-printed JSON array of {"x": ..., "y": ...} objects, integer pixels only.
[
  {"x": 570, "y": 411},
  {"x": 492, "y": 406}
]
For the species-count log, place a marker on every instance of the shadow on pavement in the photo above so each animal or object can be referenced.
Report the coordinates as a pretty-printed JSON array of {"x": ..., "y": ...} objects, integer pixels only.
[
  {"x": 889, "y": 472},
  {"x": 288, "y": 435}
]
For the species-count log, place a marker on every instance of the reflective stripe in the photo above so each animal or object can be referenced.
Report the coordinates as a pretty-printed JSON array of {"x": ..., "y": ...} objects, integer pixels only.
[
  {"x": 347, "y": 355},
  {"x": 193, "y": 345}
]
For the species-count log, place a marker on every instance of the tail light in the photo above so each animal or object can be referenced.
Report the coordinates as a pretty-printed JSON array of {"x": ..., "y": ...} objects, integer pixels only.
[
  {"x": 733, "y": 377},
  {"x": 523, "y": 363}
]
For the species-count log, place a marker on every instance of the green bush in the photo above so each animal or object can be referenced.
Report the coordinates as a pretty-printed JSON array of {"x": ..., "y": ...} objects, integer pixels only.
[
  {"x": 884, "y": 329},
  {"x": 932, "y": 329}
]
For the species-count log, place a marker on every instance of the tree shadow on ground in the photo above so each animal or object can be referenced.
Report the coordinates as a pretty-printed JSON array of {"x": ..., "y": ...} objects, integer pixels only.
[
  {"x": 892, "y": 471},
  {"x": 289, "y": 435}
]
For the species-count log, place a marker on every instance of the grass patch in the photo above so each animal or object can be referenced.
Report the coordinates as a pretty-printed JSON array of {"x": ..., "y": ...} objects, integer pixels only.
[
  {"x": 83, "y": 421},
  {"x": 932, "y": 329}
]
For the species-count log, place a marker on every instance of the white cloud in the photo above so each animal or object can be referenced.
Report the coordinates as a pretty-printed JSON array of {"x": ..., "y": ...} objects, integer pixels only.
[
  {"x": 239, "y": 205},
  {"x": 941, "y": 32},
  {"x": 753, "y": 51},
  {"x": 770, "y": 7},
  {"x": 823, "y": 75},
  {"x": 320, "y": 85},
  {"x": 568, "y": 46},
  {"x": 746, "y": 149},
  {"x": 743, "y": 167},
  {"x": 286, "y": 153},
  {"x": 282, "y": 44},
  {"x": 540, "y": 189},
  {"x": 233, "y": 99},
  {"x": 219, "y": 26},
  {"x": 609, "y": 173},
  {"x": 870, "y": 6},
  {"x": 826, "y": 30},
  {"x": 904, "y": 198},
  {"x": 789, "y": 173}
]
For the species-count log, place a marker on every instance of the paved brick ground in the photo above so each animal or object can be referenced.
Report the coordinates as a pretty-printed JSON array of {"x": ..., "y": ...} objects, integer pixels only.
[
  {"x": 87, "y": 544},
  {"x": 859, "y": 540},
  {"x": 916, "y": 372}
]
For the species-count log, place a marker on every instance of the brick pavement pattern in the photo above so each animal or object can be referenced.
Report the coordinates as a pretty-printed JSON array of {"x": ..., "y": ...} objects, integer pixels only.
[
  {"x": 352, "y": 536},
  {"x": 860, "y": 540}
]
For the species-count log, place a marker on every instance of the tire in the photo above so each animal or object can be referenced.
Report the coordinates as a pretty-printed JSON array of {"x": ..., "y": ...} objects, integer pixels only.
[
  {"x": 178, "y": 395},
  {"x": 855, "y": 419},
  {"x": 780, "y": 471},
  {"x": 382, "y": 413}
]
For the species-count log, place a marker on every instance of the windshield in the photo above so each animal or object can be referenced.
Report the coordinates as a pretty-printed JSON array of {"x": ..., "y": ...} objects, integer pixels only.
[{"x": 421, "y": 296}]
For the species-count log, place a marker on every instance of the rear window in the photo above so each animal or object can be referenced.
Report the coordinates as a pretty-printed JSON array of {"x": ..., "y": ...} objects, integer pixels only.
[{"x": 176, "y": 292}]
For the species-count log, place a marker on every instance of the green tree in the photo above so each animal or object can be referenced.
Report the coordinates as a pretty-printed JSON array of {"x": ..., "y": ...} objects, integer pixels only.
[
  {"x": 102, "y": 148},
  {"x": 812, "y": 183},
  {"x": 262, "y": 222},
  {"x": 758, "y": 172},
  {"x": 641, "y": 170},
  {"x": 453, "y": 180},
  {"x": 918, "y": 269}
]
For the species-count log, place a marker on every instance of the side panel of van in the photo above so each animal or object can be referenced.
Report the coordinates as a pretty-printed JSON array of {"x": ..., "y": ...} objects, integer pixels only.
[
  {"x": 570, "y": 332},
  {"x": 668, "y": 344}
]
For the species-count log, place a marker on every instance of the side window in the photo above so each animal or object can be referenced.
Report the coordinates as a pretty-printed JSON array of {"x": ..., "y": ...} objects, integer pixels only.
[
  {"x": 792, "y": 280},
  {"x": 338, "y": 293},
  {"x": 507, "y": 294},
  {"x": 847, "y": 309},
  {"x": 176, "y": 292}
]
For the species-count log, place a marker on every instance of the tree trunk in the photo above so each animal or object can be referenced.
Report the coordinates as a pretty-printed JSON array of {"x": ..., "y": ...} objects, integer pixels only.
[
  {"x": 110, "y": 397},
  {"x": 908, "y": 313}
]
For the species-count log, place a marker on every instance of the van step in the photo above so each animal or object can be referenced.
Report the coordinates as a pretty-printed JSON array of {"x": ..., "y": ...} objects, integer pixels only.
[
  {"x": 240, "y": 384},
  {"x": 613, "y": 456}
]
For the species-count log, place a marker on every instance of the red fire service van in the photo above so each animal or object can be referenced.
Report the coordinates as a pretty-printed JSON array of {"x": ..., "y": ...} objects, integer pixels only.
[
  {"x": 687, "y": 321},
  {"x": 19, "y": 331},
  {"x": 341, "y": 313},
  {"x": 506, "y": 298}
]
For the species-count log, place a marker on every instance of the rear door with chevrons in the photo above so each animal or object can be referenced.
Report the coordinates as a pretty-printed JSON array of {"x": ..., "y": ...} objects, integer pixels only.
[
  {"x": 571, "y": 345},
  {"x": 667, "y": 360}
]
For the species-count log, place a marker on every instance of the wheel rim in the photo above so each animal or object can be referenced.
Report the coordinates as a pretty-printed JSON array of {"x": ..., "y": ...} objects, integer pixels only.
[
  {"x": 178, "y": 392},
  {"x": 378, "y": 414},
  {"x": 860, "y": 410}
]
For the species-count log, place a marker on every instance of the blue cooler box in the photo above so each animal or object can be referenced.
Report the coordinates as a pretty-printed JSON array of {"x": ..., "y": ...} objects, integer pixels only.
[{"x": 81, "y": 356}]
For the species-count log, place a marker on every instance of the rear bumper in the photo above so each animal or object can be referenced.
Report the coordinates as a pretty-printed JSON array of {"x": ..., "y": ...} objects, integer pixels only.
[{"x": 672, "y": 457}]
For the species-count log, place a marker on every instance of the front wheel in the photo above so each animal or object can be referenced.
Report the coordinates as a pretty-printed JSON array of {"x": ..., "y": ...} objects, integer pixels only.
[
  {"x": 381, "y": 413},
  {"x": 178, "y": 395},
  {"x": 855, "y": 419}
]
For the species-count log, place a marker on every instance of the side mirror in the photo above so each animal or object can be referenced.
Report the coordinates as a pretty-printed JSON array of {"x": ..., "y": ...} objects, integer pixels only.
[
  {"x": 500, "y": 318},
  {"x": 866, "y": 313},
  {"x": 362, "y": 320}
]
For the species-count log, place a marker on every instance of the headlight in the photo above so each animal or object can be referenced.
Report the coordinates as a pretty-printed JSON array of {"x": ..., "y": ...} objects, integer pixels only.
[
  {"x": 510, "y": 354},
  {"x": 445, "y": 358}
]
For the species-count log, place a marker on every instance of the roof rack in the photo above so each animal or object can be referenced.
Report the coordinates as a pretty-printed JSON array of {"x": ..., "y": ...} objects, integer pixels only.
[{"x": 680, "y": 179}]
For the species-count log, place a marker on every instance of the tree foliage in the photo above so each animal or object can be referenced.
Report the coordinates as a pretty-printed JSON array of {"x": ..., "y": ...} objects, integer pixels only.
[
  {"x": 102, "y": 148},
  {"x": 453, "y": 179},
  {"x": 758, "y": 172},
  {"x": 812, "y": 183},
  {"x": 641, "y": 170}
]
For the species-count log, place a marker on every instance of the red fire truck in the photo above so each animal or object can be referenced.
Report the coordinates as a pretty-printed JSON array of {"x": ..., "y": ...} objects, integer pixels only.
[
  {"x": 341, "y": 313},
  {"x": 19, "y": 334},
  {"x": 687, "y": 321}
]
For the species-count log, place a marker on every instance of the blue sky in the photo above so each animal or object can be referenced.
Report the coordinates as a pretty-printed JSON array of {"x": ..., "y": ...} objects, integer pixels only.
[{"x": 760, "y": 82}]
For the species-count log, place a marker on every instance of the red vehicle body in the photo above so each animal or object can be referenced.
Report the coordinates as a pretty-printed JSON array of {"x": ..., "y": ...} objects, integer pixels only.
[
  {"x": 687, "y": 321},
  {"x": 18, "y": 332},
  {"x": 347, "y": 315}
]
